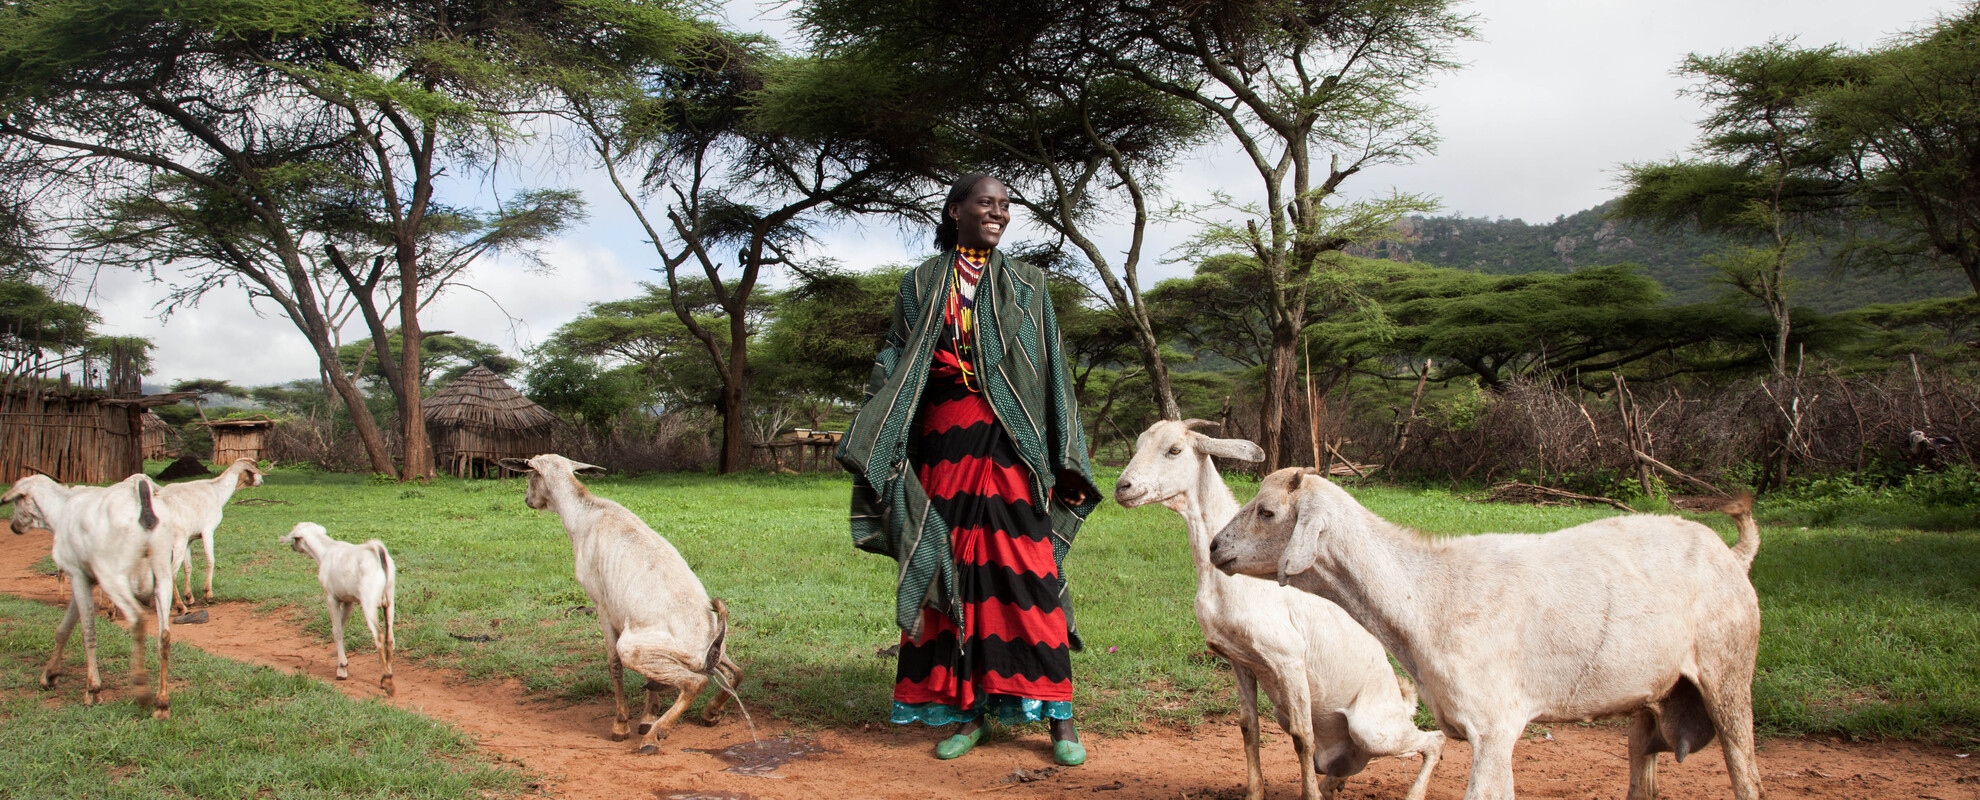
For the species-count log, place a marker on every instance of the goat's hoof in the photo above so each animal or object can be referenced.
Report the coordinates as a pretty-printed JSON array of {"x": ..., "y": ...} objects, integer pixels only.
[
  {"x": 145, "y": 699},
  {"x": 161, "y": 712},
  {"x": 648, "y": 749},
  {"x": 47, "y": 680},
  {"x": 617, "y": 736},
  {"x": 710, "y": 722},
  {"x": 390, "y": 690},
  {"x": 643, "y": 728}
]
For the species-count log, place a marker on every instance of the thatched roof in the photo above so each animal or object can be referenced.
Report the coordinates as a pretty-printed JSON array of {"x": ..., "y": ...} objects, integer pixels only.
[{"x": 481, "y": 399}]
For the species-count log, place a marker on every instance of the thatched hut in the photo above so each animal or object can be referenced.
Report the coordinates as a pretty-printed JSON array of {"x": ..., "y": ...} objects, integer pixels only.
[
  {"x": 478, "y": 420},
  {"x": 73, "y": 435},
  {"x": 239, "y": 438},
  {"x": 155, "y": 437}
]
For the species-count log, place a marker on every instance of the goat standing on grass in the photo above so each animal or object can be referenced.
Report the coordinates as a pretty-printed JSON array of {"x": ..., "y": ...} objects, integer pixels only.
[
  {"x": 197, "y": 507},
  {"x": 1331, "y": 686},
  {"x": 112, "y": 536},
  {"x": 353, "y": 575},
  {"x": 1651, "y": 615},
  {"x": 656, "y": 616}
]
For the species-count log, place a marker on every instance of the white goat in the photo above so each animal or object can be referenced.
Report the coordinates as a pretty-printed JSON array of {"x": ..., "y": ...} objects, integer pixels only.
[
  {"x": 1646, "y": 614},
  {"x": 1331, "y": 686},
  {"x": 115, "y": 537},
  {"x": 361, "y": 575},
  {"x": 656, "y": 616},
  {"x": 197, "y": 507}
]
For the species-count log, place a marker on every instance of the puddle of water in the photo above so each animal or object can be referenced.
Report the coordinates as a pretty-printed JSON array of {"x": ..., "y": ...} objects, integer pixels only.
[
  {"x": 761, "y": 759},
  {"x": 668, "y": 794}
]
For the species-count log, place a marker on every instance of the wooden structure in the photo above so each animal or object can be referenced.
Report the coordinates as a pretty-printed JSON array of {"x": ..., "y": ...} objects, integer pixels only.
[
  {"x": 239, "y": 438},
  {"x": 156, "y": 439},
  {"x": 800, "y": 443},
  {"x": 478, "y": 420},
  {"x": 73, "y": 435}
]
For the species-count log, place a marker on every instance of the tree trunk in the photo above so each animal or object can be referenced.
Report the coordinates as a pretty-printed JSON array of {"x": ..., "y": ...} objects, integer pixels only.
[
  {"x": 1279, "y": 373},
  {"x": 734, "y": 440},
  {"x": 417, "y": 453},
  {"x": 1158, "y": 370}
]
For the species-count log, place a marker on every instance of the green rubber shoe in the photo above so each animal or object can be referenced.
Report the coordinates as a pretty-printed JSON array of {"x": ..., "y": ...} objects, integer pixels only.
[
  {"x": 1068, "y": 753},
  {"x": 955, "y": 746}
]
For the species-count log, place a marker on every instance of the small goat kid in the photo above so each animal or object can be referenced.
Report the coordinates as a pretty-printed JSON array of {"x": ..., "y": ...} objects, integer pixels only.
[
  {"x": 112, "y": 536},
  {"x": 1331, "y": 686},
  {"x": 656, "y": 616},
  {"x": 1650, "y": 615},
  {"x": 197, "y": 506},
  {"x": 361, "y": 575}
]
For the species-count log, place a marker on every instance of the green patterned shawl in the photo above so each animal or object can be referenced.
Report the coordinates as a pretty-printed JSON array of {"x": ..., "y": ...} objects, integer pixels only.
[{"x": 1021, "y": 360}]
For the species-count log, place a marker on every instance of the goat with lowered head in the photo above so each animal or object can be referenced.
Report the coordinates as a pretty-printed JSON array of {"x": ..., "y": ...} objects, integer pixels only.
[
  {"x": 1331, "y": 686},
  {"x": 353, "y": 575},
  {"x": 197, "y": 506},
  {"x": 656, "y": 616},
  {"x": 116, "y": 537},
  {"x": 1649, "y": 615}
]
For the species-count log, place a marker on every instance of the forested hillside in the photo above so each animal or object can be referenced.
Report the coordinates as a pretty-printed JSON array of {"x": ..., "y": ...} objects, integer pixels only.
[{"x": 1588, "y": 238}]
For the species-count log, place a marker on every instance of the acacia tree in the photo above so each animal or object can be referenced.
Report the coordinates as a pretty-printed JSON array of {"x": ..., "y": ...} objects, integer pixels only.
[
  {"x": 243, "y": 105},
  {"x": 1311, "y": 92},
  {"x": 746, "y": 146},
  {"x": 1018, "y": 91},
  {"x": 1768, "y": 175}
]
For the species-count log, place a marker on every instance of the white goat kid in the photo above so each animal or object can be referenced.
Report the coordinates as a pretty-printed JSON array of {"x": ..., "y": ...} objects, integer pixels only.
[
  {"x": 353, "y": 575},
  {"x": 656, "y": 616},
  {"x": 197, "y": 506},
  {"x": 1331, "y": 686},
  {"x": 115, "y": 537},
  {"x": 1651, "y": 615}
]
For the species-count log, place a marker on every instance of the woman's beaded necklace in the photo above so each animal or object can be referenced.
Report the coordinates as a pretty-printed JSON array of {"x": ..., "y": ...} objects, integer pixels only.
[{"x": 969, "y": 266}]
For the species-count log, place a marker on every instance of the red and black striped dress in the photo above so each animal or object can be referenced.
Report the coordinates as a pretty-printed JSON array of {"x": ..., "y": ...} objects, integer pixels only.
[{"x": 1013, "y": 660}]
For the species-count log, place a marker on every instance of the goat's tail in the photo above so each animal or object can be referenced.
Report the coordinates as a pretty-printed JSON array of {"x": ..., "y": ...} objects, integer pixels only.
[
  {"x": 1741, "y": 510},
  {"x": 1408, "y": 688},
  {"x": 146, "y": 515},
  {"x": 391, "y": 591},
  {"x": 717, "y": 649}
]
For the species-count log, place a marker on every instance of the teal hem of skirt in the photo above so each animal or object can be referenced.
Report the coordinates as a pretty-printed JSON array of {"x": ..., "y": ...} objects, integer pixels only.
[{"x": 1004, "y": 708}]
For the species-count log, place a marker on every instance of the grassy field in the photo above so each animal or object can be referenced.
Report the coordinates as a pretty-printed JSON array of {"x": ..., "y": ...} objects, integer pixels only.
[
  {"x": 236, "y": 731},
  {"x": 1869, "y": 631}
]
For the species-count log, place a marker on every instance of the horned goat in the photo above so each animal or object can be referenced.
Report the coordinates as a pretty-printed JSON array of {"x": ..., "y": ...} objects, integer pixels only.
[
  {"x": 1642, "y": 614},
  {"x": 197, "y": 506},
  {"x": 353, "y": 575},
  {"x": 115, "y": 537},
  {"x": 655, "y": 614},
  {"x": 1331, "y": 686}
]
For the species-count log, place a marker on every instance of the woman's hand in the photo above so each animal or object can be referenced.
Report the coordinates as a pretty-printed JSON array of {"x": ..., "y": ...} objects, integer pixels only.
[{"x": 1075, "y": 490}]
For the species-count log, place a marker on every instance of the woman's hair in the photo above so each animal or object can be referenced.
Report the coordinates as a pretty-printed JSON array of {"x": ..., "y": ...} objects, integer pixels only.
[{"x": 946, "y": 232}]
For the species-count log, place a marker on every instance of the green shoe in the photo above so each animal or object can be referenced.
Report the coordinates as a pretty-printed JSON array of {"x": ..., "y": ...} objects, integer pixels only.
[
  {"x": 955, "y": 746},
  {"x": 1068, "y": 753}
]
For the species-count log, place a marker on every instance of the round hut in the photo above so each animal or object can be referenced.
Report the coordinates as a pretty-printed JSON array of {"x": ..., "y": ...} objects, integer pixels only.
[
  {"x": 239, "y": 438},
  {"x": 478, "y": 420}
]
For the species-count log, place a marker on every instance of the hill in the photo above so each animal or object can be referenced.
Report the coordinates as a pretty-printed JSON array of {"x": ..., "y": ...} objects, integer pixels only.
[{"x": 1672, "y": 258}]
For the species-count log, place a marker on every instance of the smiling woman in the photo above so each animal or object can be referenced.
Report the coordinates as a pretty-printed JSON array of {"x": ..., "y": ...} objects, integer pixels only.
[{"x": 972, "y": 393}]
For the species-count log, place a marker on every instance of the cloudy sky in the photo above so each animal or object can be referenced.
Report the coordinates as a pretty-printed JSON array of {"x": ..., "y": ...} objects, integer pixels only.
[{"x": 1555, "y": 96}]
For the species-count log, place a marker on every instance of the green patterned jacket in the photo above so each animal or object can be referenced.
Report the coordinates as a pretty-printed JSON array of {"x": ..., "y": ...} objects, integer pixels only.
[{"x": 1023, "y": 369}]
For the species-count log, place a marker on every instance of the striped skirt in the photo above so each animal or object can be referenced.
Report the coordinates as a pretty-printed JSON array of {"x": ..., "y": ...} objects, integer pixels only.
[{"x": 1013, "y": 660}]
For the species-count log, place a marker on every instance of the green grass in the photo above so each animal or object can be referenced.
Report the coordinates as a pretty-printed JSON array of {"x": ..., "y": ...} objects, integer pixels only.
[
  {"x": 1868, "y": 631},
  {"x": 235, "y": 731}
]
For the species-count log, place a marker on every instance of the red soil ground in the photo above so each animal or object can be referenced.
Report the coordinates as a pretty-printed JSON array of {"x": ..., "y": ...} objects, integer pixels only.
[{"x": 567, "y": 744}]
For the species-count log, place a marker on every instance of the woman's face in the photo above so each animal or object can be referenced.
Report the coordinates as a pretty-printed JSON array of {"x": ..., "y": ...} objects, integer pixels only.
[{"x": 982, "y": 217}]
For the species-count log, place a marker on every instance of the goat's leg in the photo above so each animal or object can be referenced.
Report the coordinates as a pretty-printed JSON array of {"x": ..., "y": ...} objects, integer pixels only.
[
  {"x": 119, "y": 590},
  {"x": 162, "y": 596},
  {"x": 1380, "y": 731},
  {"x": 378, "y": 642},
  {"x": 690, "y": 685},
  {"x": 665, "y": 665},
  {"x": 1431, "y": 747},
  {"x": 1729, "y": 700},
  {"x": 182, "y": 555},
  {"x": 1643, "y": 748},
  {"x": 1295, "y": 713},
  {"x": 1491, "y": 762},
  {"x": 339, "y": 612},
  {"x": 731, "y": 678},
  {"x": 79, "y": 606},
  {"x": 1254, "y": 769},
  {"x": 1329, "y": 785},
  {"x": 617, "y": 669},
  {"x": 206, "y": 543}
]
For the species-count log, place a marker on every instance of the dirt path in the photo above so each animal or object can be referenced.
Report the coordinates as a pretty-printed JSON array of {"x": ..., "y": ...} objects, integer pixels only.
[{"x": 566, "y": 745}]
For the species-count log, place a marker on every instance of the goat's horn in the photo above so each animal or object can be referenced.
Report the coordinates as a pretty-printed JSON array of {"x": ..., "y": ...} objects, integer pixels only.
[{"x": 1193, "y": 424}]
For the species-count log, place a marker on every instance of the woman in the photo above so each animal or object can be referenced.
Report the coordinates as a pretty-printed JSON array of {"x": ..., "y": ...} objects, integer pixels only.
[{"x": 970, "y": 470}]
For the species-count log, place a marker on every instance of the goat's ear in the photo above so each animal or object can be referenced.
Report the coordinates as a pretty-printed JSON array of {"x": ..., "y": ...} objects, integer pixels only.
[
  {"x": 1311, "y": 522},
  {"x": 516, "y": 465},
  {"x": 1193, "y": 424},
  {"x": 1239, "y": 449},
  {"x": 580, "y": 468},
  {"x": 11, "y": 495}
]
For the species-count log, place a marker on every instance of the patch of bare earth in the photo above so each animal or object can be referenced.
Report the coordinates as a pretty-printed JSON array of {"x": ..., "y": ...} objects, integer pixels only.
[{"x": 567, "y": 746}]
